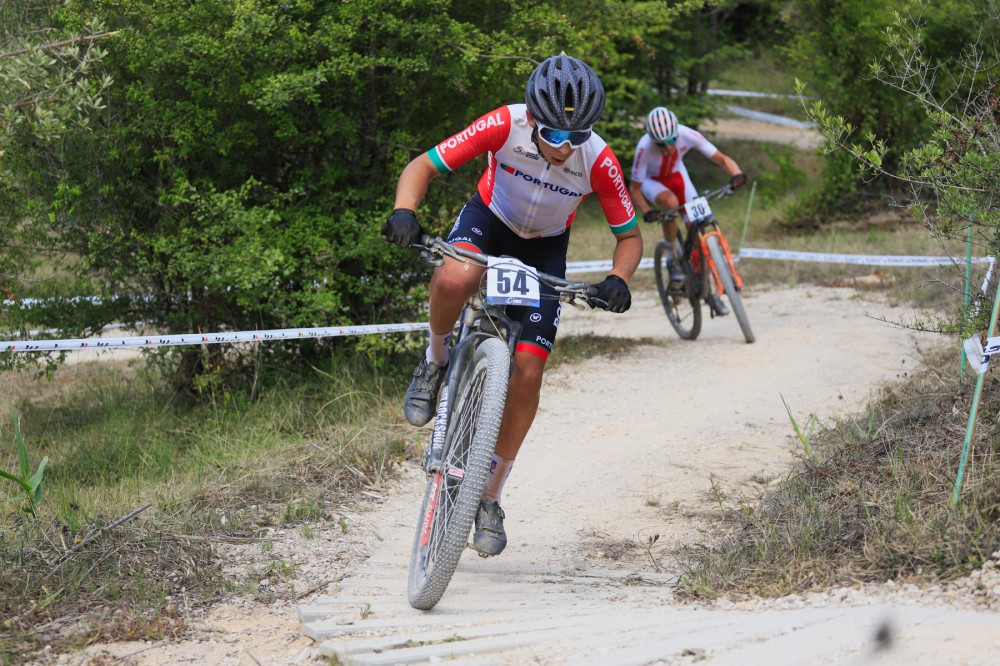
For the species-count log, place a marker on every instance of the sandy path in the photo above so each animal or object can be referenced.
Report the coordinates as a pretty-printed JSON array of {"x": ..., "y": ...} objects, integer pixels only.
[
  {"x": 623, "y": 448},
  {"x": 758, "y": 130},
  {"x": 640, "y": 445}
]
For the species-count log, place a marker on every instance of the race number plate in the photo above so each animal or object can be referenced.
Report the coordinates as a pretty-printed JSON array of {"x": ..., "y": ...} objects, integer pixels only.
[
  {"x": 979, "y": 354},
  {"x": 511, "y": 282},
  {"x": 697, "y": 209}
]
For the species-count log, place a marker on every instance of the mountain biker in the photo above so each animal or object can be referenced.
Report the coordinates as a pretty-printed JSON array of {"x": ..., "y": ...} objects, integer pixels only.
[
  {"x": 659, "y": 177},
  {"x": 543, "y": 159}
]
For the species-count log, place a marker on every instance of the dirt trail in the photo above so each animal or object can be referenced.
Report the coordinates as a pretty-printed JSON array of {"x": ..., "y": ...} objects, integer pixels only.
[
  {"x": 623, "y": 448},
  {"x": 758, "y": 130}
]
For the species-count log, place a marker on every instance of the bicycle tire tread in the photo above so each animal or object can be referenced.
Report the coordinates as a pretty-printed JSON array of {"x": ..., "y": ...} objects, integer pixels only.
[{"x": 425, "y": 591}]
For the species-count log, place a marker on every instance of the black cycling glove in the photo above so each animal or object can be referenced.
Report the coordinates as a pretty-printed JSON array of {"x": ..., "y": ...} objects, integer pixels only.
[
  {"x": 651, "y": 215},
  {"x": 402, "y": 228},
  {"x": 738, "y": 181},
  {"x": 614, "y": 291}
]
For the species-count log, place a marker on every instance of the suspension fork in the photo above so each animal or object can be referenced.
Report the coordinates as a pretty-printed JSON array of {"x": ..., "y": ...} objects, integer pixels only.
[
  {"x": 692, "y": 242},
  {"x": 737, "y": 279},
  {"x": 468, "y": 317}
]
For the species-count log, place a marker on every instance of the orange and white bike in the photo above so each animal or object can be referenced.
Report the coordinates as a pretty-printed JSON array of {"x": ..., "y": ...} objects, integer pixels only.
[{"x": 709, "y": 269}]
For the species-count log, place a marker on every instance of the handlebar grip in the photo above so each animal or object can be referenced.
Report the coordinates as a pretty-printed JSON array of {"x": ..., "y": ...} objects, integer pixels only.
[
  {"x": 592, "y": 299},
  {"x": 661, "y": 215}
]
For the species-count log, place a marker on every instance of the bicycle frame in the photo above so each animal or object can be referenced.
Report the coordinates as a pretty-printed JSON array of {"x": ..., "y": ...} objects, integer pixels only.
[
  {"x": 704, "y": 229},
  {"x": 469, "y": 413},
  {"x": 478, "y": 322},
  {"x": 476, "y": 313},
  {"x": 709, "y": 266}
]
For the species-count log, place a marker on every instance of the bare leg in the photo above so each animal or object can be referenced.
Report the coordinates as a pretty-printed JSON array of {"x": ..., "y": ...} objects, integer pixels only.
[
  {"x": 664, "y": 200},
  {"x": 452, "y": 283},
  {"x": 522, "y": 403}
]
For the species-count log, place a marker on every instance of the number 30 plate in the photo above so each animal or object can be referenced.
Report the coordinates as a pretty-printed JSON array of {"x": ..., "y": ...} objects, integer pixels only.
[
  {"x": 697, "y": 209},
  {"x": 511, "y": 282}
]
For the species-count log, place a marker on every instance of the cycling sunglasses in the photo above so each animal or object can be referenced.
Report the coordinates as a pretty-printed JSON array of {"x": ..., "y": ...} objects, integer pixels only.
[
  {"x": 669, "y": 142},
  {"x": 557, "y": 137}
]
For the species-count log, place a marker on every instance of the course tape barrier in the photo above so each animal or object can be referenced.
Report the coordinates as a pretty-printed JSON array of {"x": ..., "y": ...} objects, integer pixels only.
[
  {"x": 599, "y": 266},
  {"x": 204, "y": 338},
  {"x": 863, "y": 259},
  {"x": 139, "y": 342}
]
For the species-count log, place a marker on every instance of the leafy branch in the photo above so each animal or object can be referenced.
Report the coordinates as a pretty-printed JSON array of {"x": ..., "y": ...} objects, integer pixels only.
[{"x": 30, "y": 484}]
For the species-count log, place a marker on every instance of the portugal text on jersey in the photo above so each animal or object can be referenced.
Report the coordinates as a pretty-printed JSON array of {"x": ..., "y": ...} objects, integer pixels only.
[{"x": 522, "y": 189}]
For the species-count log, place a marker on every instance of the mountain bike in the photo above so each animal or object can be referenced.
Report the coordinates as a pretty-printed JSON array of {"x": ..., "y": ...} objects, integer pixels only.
[
  {"x": 709, "y": 269},
  {"x": 471, "y": 405}
]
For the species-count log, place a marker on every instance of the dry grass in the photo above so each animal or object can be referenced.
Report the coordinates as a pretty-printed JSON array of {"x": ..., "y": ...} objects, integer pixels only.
[
  {"x": 574, "y": 348},
  {"x": 876, "y": 502},
  {"x": 765, "y": 222},
  {"x": 216, "y": 473}
]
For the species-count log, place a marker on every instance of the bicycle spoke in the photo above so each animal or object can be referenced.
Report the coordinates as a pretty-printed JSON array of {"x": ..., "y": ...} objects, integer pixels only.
[
  {"x": 452, "y": 496},
  {"x": 680, "y": 304}
]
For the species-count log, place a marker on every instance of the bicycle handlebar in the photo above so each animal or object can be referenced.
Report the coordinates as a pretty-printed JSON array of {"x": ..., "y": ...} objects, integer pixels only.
[
  {"x": 711, "y": 195},
  {"x": 433, "y": 250}
]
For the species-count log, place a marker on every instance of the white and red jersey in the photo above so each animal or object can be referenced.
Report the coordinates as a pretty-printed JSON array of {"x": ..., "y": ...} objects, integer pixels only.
[
  {"x": 529, "y": 195},
  {"x": 651, "y": 162}
]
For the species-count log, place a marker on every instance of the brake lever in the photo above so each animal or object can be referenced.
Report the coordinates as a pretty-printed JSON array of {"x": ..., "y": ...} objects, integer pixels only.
[
  {"x": 428, "y": 255},
  {"x": 594, "y": 302}
]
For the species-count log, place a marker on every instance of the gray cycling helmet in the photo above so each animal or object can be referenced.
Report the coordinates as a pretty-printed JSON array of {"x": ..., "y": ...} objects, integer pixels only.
[{"x": 565, "y": 93}]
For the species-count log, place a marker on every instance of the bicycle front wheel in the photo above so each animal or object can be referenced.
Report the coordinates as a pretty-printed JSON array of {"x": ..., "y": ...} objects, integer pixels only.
[
  {"x": 680, "y": 302},
  {"x": 476, "y": 391},
  {"x": 729, "y": 286}
]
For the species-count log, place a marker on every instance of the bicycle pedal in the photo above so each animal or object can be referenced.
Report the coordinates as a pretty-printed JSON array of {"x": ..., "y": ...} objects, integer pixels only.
[{"x": 480, "y": 553}]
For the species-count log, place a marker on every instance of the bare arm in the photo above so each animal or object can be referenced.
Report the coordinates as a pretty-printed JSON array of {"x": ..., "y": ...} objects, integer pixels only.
[
  {"x": 635, "y": 190},
  {"x": 628, "y": 254},
  {"x": 726, "y": 162},
  {"x": 413, "y": 181}
]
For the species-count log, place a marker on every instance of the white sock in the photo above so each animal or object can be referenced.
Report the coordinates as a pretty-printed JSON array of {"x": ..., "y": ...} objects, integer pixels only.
[
  {"x": 439, "y": 348},
  {"x": 676, "y": 251},
  {"x": 495, "y": 480}
]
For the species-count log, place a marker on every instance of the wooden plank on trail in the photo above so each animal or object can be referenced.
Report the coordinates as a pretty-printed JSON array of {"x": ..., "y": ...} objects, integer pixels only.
[
  {"x": 489, "y": 639},
  {"x": 405, "y": 644}
]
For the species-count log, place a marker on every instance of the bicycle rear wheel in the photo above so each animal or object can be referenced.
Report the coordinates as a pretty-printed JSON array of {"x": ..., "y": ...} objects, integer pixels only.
[
  {"x": 729, "y": 286},
  {"x": 681, "y": 304},
  {"x": 476, "y": 391}
]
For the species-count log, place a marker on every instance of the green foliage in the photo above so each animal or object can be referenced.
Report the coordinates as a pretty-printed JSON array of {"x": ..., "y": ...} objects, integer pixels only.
[
  {"x": 30, "y": 484},
  {"x": 51, "y": 86},
  {"x": 831, "y": 46},
  {"x": 49, "y": 82},
  {"x": 845, "y": 53},
  {"x": 950, "y": 171},
  {"x": 782, "y": 177},
  {"x": 247, "y": 154}
]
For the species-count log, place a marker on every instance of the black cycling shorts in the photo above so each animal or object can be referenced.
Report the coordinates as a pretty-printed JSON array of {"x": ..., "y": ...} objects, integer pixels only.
[{"x": 479, "y": 228}]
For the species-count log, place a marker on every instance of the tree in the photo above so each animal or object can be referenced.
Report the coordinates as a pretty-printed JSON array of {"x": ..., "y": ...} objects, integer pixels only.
[
  {"x": 247, "y": 155},
  {"x": 51, "y": 85},
  {"x": 832, "y": 45},
  {"x": 951, "y": 174}
]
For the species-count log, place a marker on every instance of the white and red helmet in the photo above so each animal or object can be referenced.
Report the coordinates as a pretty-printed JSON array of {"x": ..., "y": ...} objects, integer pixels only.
[{"x": 661, "y": 124}]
